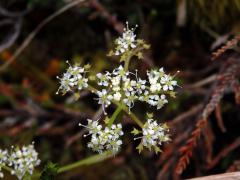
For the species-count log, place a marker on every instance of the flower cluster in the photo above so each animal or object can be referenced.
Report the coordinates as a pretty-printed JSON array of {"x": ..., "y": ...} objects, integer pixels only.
[
  {"x": 3, "y": 160},
  {"x": 21, "y": 161},
  {"x": 73, "y": 79},
  {"x": 104, "y": 139},
  {"x": 126, "y": 87},
  {"x": 126, "y": 42},
  {"x": 153, "y": 135},
  {"x": 123, "y": 88}
]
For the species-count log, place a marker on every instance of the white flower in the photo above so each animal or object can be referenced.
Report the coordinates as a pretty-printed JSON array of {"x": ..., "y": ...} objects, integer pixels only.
[
  {"x": 140, "y": 86},
  {"x": 104, "y": 98},
  {"x": 126, "y": 42},
  {"x": 168, "y": 83},
  {"x": 3, "y": 156},
  {"x": 126, "y": 87},
  {"x": 162, "y": 101},
  {"x": 23, "y": 160},
  {"x": 104, "y": 139},
  {"x": 153, "y": 135},
  {"x": 121, "y": 72},
  {"x": 153, "y": 100},
  {"x": 73, "y": 78},
  {"x": 130, "y": 97},
  {"x": 116, "y": 83},
  {"x": 93, "y": 126},
  {"x": 129, "y": 85},
  {"x": 65, "y": 83},
  {"x": 155, "y": 75},
  {"x": 155, "y": 87},
  {"x": 103, "y": 79},
  {"x": 3, "y": 160},
  {"x": 117, "y": 96}
]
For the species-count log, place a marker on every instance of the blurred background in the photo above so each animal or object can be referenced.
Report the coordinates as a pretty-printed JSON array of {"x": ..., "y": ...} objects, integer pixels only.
[{"x": 38, "y": 36}]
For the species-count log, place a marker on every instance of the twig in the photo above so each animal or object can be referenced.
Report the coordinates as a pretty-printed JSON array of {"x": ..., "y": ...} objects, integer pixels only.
[
  {"x": 31, "y": 36},
  {"x": 7, "y": 13},
  {"x": 118, "y": 26},
  {"x": 185, "y": 115},
  {"x": 202, "y": 82},
  {"x": 11, "y": 37}
]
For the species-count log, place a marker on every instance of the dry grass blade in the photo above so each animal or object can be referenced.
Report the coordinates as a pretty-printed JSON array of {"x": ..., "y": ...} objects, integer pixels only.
[{"x": 31, "y": 36}]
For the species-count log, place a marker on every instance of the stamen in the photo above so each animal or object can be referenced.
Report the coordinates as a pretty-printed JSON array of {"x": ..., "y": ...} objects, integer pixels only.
[
  {"x": 138, "y": 138},
  {"x": 104, "y": 112},
  {"x": 85, "y": 135},
  {"x": 82, "y": 125},
  {"x": 176, "y": 73}
]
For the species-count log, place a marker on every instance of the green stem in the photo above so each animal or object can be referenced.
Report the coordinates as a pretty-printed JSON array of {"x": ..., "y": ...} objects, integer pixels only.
[
  {"x": 114, "y": 116},
  {"x": 129, "y": 57},
  {"x": 92, "y": 89},
  {"x": 87, "y": 161},
  {"x": 132, "y": 115},
  {"x": 126, "y": 64},
  {"x": 7, "y": 169}
]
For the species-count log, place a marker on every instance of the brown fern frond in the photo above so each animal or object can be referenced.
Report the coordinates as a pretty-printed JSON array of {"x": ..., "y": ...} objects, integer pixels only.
[
  {"x": 236, "y": 89},
  {"x": 219, "y": 118},
  {"x": 188, "y": 148},
  {"x": 224, "y": 80},
  {"x": 229, "y": 45},
  {"x": 209, "y": 137}
]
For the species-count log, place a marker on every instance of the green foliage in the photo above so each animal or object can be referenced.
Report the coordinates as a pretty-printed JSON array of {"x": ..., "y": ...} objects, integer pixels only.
[
  {"x": 135, "y": 131},
  {"x": 139, "y": 148},
  {"x": 49, "y": 172},
  {"x": 211, "y": 13}
]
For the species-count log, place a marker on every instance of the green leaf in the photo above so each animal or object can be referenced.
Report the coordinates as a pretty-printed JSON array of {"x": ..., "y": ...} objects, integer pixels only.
[
  {"x": 165, "y": 126},
  {"x": 135, "y": 131},
  {"x": 106, "y": 120},
  {"x": 146, "y": 46},
  {"x": 27, "y": 176},
  {"x": 139, "y": 148},
  {"x": 157, "y": 149},
  {"x": 140, "y": 55},
  {"x": 123, "y": 57},
  {"x": 87, "y": 66},
  {"x": 172, "y": 94},
  {"x": 111, "y": 53},
  {"x": 150, "y": 115},
  {"x": 49, "y": 172},
  {"x": 140, "y": 41}
]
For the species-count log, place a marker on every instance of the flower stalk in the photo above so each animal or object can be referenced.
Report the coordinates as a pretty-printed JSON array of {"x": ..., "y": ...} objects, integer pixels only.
[{"x": 84, "y": 162}]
